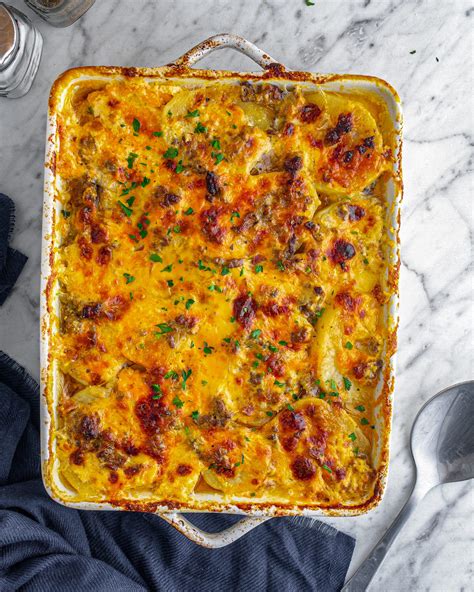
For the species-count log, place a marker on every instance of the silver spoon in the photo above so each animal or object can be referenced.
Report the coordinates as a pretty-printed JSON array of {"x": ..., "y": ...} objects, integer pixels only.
[{"x": 442, "y": 445}]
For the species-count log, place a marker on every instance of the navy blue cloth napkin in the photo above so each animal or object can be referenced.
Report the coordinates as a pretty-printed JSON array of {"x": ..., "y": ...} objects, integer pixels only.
[
  {"x": 11, "y": 261},
  {"x": 46, "y": 546}
]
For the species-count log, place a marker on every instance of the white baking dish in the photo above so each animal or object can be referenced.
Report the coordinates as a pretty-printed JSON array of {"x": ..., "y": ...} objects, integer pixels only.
[{"x": 181, "y": 69}]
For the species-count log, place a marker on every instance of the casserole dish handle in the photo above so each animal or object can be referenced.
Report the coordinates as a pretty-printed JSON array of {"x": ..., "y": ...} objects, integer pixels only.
[
  {"x": 223, "y": 41},
  {"x": 211, "y": 540}
]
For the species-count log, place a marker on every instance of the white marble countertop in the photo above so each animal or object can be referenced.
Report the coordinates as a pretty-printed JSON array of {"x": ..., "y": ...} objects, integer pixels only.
[{"x": 377, "y": 37}]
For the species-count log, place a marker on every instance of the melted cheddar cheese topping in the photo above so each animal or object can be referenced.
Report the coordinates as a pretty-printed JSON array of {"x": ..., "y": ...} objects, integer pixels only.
[{"x": 222, "y": 295}]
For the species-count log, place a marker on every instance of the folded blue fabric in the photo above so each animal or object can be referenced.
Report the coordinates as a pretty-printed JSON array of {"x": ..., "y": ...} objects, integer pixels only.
[
  {"x": 11, "y": 261},
  {"x": 45, "y": 546}
]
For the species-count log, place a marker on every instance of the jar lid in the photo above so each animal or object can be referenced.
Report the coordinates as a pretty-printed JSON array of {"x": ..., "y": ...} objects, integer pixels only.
[{"x": 8, "y": 36}]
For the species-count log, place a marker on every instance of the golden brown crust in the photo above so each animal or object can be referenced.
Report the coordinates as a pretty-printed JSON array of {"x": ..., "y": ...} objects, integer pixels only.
[{"x": 209, "y": 228}]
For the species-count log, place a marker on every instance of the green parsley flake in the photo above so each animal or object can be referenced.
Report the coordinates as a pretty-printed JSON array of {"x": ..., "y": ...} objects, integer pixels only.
[
  {"x": 131, "y": 159},
  {"x": 225, "y": 271},
  {"x": 360, "y": 408},
  {"x": 163, "y": 329},
  {"x": 171, "y": 374},
  {"x": 326, "y": 468},
  {"x": 208, "y": 348},
  {"x": 156, "y": 258},
  {"x": 65, "y": 213},
  {"x": 185, "y": 375},
  {"x": 270, "y": 413},
  {"x": 200, "y": 129},
  {"x": 347, "y": 383},
  {"x": 255, "y": 333},
  {"x": 194, "y": 113},
  {"x": 126, "y": 210},
  {"x": 348, "y": 345},
  {"x": 283, "y": 342},
  {"x": 352, "y": 436},
  {"x": 158, "y": 134},
  {"x": 177, "y": 402},
  {"x": 278, "y": 383},
  {"x": 136, "y": 125},
  {"x": 129, "y": 278},
  {"x": 364, "y": 421},
  {"x": 167, "y": 268},
  {"x": 171, "y": 153},
  {"x": 258, "y": 268},
  {"x": 280, "y": 266},
  {"x": 195, "y": 415},
  {"x": 189, "y": 303},
  {"x": 188, "y": 212}
]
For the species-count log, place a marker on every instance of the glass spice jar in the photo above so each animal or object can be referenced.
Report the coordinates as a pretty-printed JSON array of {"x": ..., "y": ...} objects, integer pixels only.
[
  {"x": 20, "y": 52},
  {"x": 60, "y": 13}
]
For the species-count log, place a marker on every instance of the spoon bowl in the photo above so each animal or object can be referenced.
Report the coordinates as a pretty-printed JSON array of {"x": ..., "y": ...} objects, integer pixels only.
[
  {"x": 442, "y": 437},
  {"x": 442, "y": 446}
]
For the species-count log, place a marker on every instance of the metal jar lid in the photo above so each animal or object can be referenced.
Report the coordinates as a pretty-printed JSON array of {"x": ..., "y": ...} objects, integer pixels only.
[{"x": 9, "y": 36}]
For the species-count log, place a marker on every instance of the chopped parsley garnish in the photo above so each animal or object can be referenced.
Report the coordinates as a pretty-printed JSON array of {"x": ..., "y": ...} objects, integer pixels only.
[
  {"x": 270, "y": 413},
  {"x": 364, "y": 421},
  {"x": 272, "y": 348},
  {"x": 65, "y": 213},
  {"x": 216, "y": 144},
  {"x": 202, "y": 266},
  {"x": 156, "y": 388},
  {"x": 283, "y": 342},
  {"x": 156, "y": 258},
  {"x": 225, "y": 271},
  {"x": 200, "y": 129},
  {"x": 125, "y": 209},
  {"x": 195, "y": 415},
  {"x": 203, "y": 382},
  {"x": 163, "y": 329},
  {"x": 255, "y": 333},
  {"x": 352, "y": 436},
  {"x": 145, "y": 182},
  {"x": 208, "y": 348},
  {"x": 214, "y": 288},
  {"x": 290, "y": 407},
  {"x": 130, "y": 200},
  {"x": 189, "y": 303},
  {"x": 234, "y": 215},
  {"x": 171, "y": 153},
  {"x": 325, "y": 467},
  {"x": 280, "y": 266},
  {"x": 177, "y": 402},
  {"x": 136, "y": 125},
  {"x": 171, "y": 374},
  {"x": 365, "y": 260},
  {"x": 185, "y": 375},
  {"x": 158, "y": 134},
  {"x": 413, "y": 51},
  {"x": 167, "y": 268},
  {"x": 179, "y": 167},
  {"x": 188, "y": 212},
  {"x": 348, "y": 345},
  {"x": 360, "y": 408},
  {"x": 309, "y": 2},
  {"x": 347, "y": 383},
  {"x": 194, "y": 113},
  {"x": 177, "y": 229},
  {"x": 170, "y": 283},
  {"x": 258, "y": 268},
  {"x": 157, "y": 396},
  {"x": 217, "y": 156},
  {"x": 278, "y": 383},
  {"x": 129, "y": 278},
  {"x": 131, "y": 159}
]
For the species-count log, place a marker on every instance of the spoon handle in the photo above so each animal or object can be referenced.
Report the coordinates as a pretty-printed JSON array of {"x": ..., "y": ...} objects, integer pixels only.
[{"x": 363, "y": 576}]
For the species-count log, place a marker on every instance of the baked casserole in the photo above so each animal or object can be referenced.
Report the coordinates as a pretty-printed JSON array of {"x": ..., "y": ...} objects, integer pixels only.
[{"x": 222, "y": 273}]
